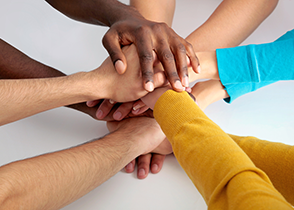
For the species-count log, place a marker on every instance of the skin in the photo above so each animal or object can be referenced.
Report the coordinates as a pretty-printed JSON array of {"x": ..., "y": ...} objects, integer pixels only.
[
  {"x": 128, "y": 26},
  {"x": 37, "y": 95},
  {"x": 69, "y": 174},
  {"x": 153, "y": 162},
  {"x": 238, "y": 18}
]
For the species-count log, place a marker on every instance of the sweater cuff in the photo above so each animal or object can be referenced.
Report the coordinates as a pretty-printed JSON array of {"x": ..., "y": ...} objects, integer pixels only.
[{"x": 170, "y": 111}]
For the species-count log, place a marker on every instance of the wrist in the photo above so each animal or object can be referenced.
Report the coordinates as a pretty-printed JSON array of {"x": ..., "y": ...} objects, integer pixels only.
[
  {"x": 208, "y": 63},
  {"x": 97, "y": 83},
  {"x": 122, "y": 12}
]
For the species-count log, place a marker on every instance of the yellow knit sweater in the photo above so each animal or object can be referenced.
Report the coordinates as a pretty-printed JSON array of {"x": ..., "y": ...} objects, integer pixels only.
[{"x": 223, "y": 173}]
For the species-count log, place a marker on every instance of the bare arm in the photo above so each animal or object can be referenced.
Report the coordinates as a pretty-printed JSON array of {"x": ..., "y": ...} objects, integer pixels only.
[
  {"x": 57, "y": 179},
  {"x": 22, "y": 98},
  {"x": 230, "y": 24}
]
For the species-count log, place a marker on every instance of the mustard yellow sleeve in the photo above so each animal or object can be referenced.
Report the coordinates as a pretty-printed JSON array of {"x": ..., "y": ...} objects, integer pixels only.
[
  {"x": 275, "y": 159},
  {"x": 219, "y": 168}
]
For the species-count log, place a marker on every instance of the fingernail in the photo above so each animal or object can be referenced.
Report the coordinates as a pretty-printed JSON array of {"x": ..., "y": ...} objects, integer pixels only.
[
  {"x": 199, "y": 69},
  {"x": 136, "y": 107},
  {"x": 178, "y": 85},
  {"x": 119, "y": 66},
  {"x": 99, "y": 114},
  {"x": 141, "y": 172},
  {"x": 89, "y": 103},
  {"x": 154, "y": 167},
  {"x": 188, "y": 60},
  {"x": 186, "y": 81},
  {"x": 149, "y": 86},
  {"x": 129, "y": 166},
  {"x": 136, "y": 111},
  {"x": 111, "y": 101},
  {"x": 117, "y": 115}
]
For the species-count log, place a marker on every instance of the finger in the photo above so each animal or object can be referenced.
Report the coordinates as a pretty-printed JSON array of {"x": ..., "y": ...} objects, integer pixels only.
[
  {"x": 131, "y": 166},
  {"x": 143, "y": 163},
  {"x": 140, "y": 111},
  {"x": 145, "y": 52},
  {"x": 156, "y": 163},
  {"x": 93, "y": 103},
  {"x": 122, "y": 111},
  {"x": 167, "y": 59},
  {"x": 138, "y": 104},
  {"x": 179, "y": 52},
  {"x": 104, "y": 109},
  {"x": 155, "y": 58},
  {"x": 159, "y": 78},
  {"x": 111, "y": 42},
  {"x": 194, "y": 61}
]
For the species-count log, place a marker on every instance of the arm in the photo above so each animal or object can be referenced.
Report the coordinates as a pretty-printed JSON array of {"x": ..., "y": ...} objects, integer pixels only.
[
  {"x": 16, "y": 65},
  {"x": 42, "y": 94},
  {"x": 258, "y": 65},
  {"x": 128, "y": 26},
  {"x": 57, "y": 179},
  {"x": 274, "y": 159},
  {"x": 230, "y": 24},
  {"x": 222, "y": 167}
]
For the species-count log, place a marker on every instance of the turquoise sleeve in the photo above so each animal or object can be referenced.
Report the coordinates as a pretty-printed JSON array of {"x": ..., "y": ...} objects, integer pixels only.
[{"x": 256, "y": 65}]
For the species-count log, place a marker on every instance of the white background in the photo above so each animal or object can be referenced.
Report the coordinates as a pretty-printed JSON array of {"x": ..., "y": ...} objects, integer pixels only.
[{"x": 46, "y": 35}]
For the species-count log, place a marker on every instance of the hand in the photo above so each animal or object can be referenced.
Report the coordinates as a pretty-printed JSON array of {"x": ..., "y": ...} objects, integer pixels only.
[
  {"x": 151, "y": 98},
  {"x": 146, "y": 129},
  {"x": 150, "y": 37},
  {"x": 208, "y": 92},
  {"x": 109, "y": 110},
  {"x": 152, "y": 161},
  {"x": 209, "y": 69},
  {"x": 126, "y": 87}
]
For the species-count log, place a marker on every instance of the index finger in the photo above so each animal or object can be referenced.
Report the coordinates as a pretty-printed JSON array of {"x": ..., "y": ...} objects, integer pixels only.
[{"x": 112, "y": 45}]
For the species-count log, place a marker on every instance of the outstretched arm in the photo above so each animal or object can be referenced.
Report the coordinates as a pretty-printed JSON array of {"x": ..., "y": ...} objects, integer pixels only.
[
  {"x": 212, "y": 160},
  {"x": 36, "y": 95},
  {"x": 230, "y": 24},
  {"x": 54, "y": 180}
]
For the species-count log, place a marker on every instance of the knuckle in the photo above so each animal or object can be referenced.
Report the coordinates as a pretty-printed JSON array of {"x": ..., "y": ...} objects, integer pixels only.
[
  {"x": 184, "y": 69},
  {"x": 189, "y": 47},
  {"x": 167, "y": 56},
  {"x": 157, "y": 27},
  {"x": 162, "y": 42},
  {"x": 146, "y": 58},
  {"x": 181, "y": 48},
  {"x": 142, "y": 30},
  {"x": 147, "y": 74},
  {"x": 173, "y": 74},
  {"x": 106, "y": 38}
]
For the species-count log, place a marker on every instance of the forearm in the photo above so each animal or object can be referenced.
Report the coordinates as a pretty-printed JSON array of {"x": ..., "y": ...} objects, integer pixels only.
[
  {"x": 23, "y": 98},
  {"x": 16, "y": 65},
  {"x": 274, "y": 159},
  {"x": 158, "y": 11},
  {"x": 215, "y": 164},
  {"x": 54, "y": 180},
  {"x": 99, "y": 12},
  {"x": 256, "y": 63},
  {"x": 230, "y": 24}
]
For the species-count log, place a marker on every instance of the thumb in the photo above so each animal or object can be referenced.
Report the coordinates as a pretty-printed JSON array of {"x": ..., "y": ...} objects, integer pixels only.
[{"x": 111, "y": 43}]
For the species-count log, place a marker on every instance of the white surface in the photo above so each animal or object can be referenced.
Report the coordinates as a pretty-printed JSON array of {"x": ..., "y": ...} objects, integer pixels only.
[{"x": 46, "y": 35}]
